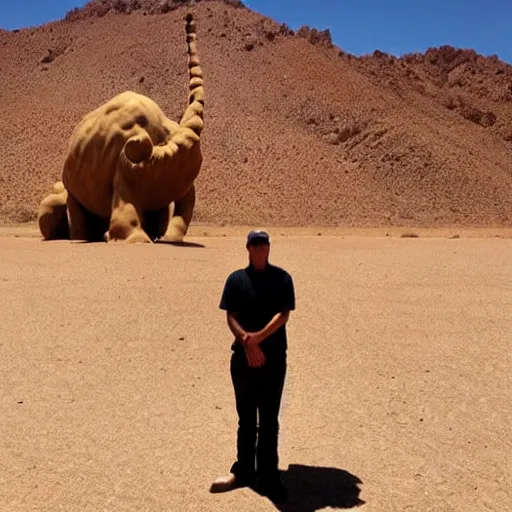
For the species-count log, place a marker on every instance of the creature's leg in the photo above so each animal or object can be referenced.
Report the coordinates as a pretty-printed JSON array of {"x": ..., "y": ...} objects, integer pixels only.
[
  {"x": 84, "y": 225},
  {"x": 183, "y": 210},
  {"x": 52, "y": 218},
  {"x": 155, "y": 222},
  {"x": 125, "y": 221}
]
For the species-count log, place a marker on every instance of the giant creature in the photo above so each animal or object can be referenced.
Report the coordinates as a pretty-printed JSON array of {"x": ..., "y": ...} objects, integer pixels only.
[{"x": 129, "y": 171}]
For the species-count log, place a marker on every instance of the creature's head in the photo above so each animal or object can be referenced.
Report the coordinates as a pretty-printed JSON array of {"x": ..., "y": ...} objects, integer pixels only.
[{"x": 138, "y": 149}]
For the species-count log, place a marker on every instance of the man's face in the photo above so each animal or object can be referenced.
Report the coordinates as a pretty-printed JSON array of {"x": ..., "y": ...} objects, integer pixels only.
[{"x": 258, "y": 254}]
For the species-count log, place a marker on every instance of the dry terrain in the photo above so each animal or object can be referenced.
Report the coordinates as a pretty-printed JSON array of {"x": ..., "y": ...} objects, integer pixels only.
[
  {"x": 115, "y": 391},
  {"x": 386, "y": 185}
]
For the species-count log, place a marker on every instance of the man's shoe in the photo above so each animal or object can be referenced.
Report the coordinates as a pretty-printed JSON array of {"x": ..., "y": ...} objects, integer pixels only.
[
  {"x": 224, "y": 483},
  {"x": 228, "y": 483}
]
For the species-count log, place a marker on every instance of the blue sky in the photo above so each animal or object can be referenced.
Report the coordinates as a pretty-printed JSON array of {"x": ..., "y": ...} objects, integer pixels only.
[{"x": 357, "y": 26}]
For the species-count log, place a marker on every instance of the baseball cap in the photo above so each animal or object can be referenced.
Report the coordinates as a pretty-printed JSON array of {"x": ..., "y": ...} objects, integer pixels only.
[{"x": 257, "y": 236}]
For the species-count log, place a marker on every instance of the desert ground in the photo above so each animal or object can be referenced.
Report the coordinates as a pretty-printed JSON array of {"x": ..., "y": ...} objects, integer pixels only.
[{"x": 115, "y": 388}]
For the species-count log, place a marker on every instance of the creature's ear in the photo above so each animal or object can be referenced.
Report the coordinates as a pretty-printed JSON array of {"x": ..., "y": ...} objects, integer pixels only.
[{"x": 138, "y": 149}]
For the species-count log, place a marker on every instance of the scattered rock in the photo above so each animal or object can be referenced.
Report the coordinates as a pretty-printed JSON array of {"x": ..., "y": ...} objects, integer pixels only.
[
  {"x": 315, "y": 36},
  {"x": 344, "y": 133},
  {"x": 100, "y": 8},
  {"x": 48, "y": 58}
]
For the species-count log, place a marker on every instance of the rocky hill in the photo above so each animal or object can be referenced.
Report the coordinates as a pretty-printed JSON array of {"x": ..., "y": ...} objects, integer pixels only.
[{"x": 297, "y": 131}]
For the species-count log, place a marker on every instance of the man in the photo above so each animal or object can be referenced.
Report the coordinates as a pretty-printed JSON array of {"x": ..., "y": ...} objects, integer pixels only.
[{"x": 257, "y": 300}]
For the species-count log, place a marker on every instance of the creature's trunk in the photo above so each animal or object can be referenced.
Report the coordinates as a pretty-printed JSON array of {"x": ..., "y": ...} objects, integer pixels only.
[
  {"x": 140, "y": 151},
  {"x": 193, "y": 115}
]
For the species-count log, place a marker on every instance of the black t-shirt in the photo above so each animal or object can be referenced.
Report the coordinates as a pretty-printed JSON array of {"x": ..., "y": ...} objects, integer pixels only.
[{"x": 257, "y": 296}]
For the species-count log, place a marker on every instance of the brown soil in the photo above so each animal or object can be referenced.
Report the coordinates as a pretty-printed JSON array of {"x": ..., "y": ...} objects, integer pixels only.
[
  {"x": 116, "y": 393},
  {"x": 297, "y": 132}
]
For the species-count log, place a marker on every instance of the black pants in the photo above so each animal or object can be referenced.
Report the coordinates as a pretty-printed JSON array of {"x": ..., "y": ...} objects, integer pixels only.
[{"x": 258, "y": 394}]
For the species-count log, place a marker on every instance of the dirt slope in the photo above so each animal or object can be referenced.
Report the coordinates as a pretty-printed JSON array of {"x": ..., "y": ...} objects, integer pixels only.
[{"x": 297, "y": 132}]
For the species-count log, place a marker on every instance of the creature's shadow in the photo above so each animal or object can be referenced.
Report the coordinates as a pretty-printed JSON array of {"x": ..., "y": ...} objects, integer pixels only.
[
  {"x": 157, "y": 241},
  {"x": 313, "y": 488},
  {"x": 179, "y": 244}
]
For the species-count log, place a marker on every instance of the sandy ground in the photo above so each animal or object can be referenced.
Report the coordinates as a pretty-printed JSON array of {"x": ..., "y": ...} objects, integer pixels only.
[
  {"x": 115, "y": 390},
  {"x": 30, "y": 230}
]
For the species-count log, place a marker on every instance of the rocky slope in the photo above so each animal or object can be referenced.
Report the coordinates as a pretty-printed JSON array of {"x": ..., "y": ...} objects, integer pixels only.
[{"x": 297, "y": 131}]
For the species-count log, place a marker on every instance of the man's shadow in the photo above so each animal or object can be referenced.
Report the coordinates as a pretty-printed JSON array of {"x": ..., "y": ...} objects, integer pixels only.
[{"x": 313, "y": 488}]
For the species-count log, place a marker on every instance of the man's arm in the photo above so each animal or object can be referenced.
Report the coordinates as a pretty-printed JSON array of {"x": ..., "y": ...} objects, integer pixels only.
[
  {"x": 287, "y": 293},
  {"x": 234, "y": 326},
  {"x": 275, "y": 323},
  {"x": 255, "y": 356}
]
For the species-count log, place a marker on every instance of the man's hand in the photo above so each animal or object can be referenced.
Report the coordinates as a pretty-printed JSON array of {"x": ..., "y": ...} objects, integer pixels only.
[
  {"x": 255, "y": 356},
  {"x": 252, "y": 338}
]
